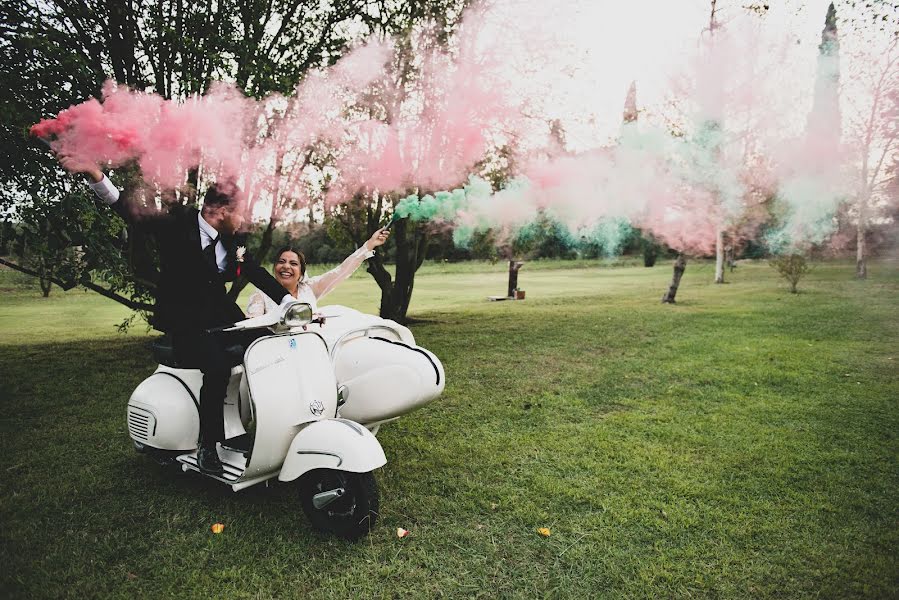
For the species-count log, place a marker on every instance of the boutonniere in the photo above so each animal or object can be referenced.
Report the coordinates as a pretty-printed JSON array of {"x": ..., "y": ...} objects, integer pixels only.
[{"x": 241, "y": 250}]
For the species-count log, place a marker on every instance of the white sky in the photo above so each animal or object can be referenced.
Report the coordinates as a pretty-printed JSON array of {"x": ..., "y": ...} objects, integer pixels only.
[{"x": 600, "y": 46}]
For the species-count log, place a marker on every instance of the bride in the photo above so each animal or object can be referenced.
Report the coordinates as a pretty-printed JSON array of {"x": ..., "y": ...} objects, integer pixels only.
[{"x": 290, "y": 271}]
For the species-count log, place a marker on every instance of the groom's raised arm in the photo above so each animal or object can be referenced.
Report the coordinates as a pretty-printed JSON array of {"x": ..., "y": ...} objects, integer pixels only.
[
  {"x": 97, "y": 180},
  {"x": 109, "y": 194},
  {"x": 105, "y": 190}
]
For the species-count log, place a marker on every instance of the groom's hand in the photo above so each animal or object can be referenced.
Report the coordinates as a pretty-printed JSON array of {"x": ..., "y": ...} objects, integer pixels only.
[{"x": 76, "y": 165}]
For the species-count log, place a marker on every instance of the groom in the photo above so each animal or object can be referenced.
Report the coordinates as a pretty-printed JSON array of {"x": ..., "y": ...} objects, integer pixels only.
[{"x": 198, "y": 253}]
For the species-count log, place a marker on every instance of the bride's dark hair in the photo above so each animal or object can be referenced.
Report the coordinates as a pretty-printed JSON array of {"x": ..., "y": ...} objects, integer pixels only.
[{"x": 295, "y": 251}]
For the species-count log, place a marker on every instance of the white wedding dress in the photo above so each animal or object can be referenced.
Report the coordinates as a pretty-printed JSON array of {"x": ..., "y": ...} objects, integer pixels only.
[{"x": 312, "y": 289}]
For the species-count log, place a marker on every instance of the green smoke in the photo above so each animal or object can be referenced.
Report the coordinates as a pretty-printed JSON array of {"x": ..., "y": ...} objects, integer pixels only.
[
  {"x": 462, "y": 235},
  {"x": 444, "y": 205},
  {"x": 546, "y": 235},
  {"x": 804, "y": 214},
  {"x": 607, "y": 237}
]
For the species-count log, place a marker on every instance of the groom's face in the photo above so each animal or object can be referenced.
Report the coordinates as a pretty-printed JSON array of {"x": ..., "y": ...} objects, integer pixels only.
[
  {"x": 232, "y": 219},
  {"x": 224, "y": 206}
]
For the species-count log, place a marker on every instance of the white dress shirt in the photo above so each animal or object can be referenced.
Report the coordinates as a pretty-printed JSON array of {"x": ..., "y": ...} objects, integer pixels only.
[
  {"x": 207, "y": 234},
  {"x": 105, "y": 191}
]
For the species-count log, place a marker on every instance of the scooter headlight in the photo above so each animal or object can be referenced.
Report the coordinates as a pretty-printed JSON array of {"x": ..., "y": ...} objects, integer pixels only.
[{"x": 297, "y": 315}]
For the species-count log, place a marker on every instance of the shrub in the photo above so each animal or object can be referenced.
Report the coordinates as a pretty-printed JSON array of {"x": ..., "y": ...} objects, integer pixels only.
[{"x": 791, "y": 267}]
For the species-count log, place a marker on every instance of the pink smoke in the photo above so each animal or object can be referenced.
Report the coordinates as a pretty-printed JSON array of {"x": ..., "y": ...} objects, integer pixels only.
[
  {"x": 356, "y": 128},
  {"x": 433, "y": 136},
  {"x": 165, "y": 138}
]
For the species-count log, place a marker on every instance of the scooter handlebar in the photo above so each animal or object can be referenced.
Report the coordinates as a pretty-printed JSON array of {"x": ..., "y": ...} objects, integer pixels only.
[
  {"x": 266, "y": 320},
  {"x": 220, "y": 329},
  {"x": 270, "y": 319}
]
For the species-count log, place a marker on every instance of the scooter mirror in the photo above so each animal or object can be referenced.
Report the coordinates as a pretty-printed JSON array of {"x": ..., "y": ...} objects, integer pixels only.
[{"x": 297, "y": 315}]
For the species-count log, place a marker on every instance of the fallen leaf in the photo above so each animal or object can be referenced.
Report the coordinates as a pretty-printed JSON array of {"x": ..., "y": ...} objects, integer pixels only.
[
  {"x": 493, "y": 506},
  {"x": 217, "y": 528},
  {"x": 401, "y": 533},
  {"x": 544, "y": 531},
  {"x": 131, "y": 576}
]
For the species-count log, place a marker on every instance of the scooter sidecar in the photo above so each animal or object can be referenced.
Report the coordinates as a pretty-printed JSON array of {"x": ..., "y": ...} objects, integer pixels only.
[{"x": 385, "y": 374}]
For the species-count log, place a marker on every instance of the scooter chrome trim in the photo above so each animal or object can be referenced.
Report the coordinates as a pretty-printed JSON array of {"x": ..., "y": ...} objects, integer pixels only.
[
  {"x": 350, "y": 424},
  {"x": 337, "y": 456},
  {"x": 323, "y": 499},
  {"x": 231, "y": 474},
  {"x": 318, "y": 444}
]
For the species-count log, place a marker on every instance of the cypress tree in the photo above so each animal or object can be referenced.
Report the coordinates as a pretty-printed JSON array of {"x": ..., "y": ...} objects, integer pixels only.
[{"x": 824, "y": 118}]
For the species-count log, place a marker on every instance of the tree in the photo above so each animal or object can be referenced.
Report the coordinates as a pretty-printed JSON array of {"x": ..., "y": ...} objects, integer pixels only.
[
  {"x": 873, "y": 123},
  {"x": 58, "y": 53},
  {"x": 680, "y": 263},
  {"x": 719, "y": 234},
  {"x": 824, "y": 118},
  {"x": 648, "y": 245},
  {"x": 410, "y": 103}
]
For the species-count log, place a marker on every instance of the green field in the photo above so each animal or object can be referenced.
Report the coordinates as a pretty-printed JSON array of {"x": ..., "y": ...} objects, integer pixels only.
[{"x": 743, "y": 443}]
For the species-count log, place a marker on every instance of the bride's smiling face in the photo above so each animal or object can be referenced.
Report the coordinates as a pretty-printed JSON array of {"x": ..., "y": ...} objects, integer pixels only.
[{"x": 288, "y": 269}]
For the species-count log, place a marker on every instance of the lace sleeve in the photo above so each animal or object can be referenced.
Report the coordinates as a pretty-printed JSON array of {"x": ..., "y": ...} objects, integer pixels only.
[
  {"x": 323, "y": 284},
  {"x": 256, "y": 305}
]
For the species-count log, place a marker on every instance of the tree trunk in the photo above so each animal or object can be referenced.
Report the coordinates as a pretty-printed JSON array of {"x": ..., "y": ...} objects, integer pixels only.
[
  {"x": 513, "y": 277},
  {"x": 410, "y": 252},
  {"x": 719, "y": 257},
  {"x": 46, "y": 275},
  {"x": 730, "y": 257},
  {"x": 46, "y": 284},
  {"x": 861, "y": 260},
  {"x": 650, "y": 253},
  {"x": 679, "y": 266}
]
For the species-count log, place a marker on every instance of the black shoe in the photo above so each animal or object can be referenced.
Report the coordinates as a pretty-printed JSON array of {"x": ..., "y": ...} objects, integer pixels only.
[{"x": 208, "y": 460}]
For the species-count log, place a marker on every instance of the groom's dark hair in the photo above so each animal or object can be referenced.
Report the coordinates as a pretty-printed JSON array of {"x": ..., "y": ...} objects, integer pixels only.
[{"x": 220, "y": 195}]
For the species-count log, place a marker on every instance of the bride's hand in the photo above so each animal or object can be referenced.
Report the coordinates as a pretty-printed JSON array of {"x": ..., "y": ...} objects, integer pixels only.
[{"x": 377, "y": 238}]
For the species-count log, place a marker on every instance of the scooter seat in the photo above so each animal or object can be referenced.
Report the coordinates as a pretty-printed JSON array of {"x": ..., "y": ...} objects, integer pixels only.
[{"x": 164, "y": 354}]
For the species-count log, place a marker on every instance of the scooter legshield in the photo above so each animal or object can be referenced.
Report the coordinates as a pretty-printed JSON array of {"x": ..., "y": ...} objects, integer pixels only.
[{"x": 332, "y": 444}]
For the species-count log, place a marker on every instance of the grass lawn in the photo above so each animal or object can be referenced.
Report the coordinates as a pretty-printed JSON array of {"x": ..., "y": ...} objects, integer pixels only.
[{"x": 742, "y": 443}]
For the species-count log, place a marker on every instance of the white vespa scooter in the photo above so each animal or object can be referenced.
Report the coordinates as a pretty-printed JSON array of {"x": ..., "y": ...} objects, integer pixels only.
[{"x": 305, "y": 404}]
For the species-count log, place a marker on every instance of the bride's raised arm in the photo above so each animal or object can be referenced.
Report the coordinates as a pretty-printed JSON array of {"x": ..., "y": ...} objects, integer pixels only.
[{"x": 324, "y": 283}]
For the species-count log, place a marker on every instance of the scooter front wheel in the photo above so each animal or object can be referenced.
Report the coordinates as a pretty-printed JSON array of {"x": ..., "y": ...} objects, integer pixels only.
[{"x": 338, "y": 502}]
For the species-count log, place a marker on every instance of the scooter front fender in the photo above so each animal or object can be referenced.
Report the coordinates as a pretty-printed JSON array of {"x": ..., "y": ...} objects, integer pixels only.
[{"x": 332, "y": 444}]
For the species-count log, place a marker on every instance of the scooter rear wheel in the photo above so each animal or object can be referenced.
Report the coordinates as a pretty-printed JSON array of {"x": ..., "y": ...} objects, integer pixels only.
[{"x": 350, "y": 515}]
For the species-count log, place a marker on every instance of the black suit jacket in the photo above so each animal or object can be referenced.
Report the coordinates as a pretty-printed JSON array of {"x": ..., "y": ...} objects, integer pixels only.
[{"x": 191, "y": 294}]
